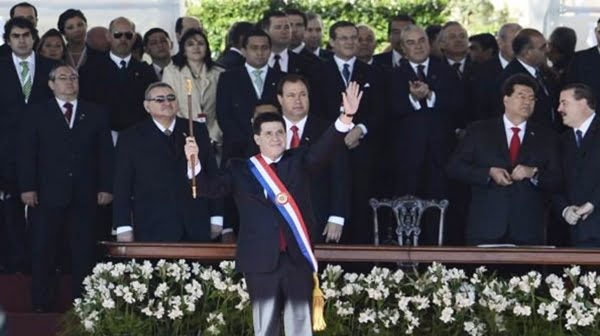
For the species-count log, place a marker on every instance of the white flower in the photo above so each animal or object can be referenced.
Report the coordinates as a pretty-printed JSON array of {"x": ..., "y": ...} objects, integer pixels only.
[
  {"x": 108, "y": 303},
  {"x": 161, "y": 290},
  {"x": 522, "y": 310},
  {"x": 367, "y": 316},
  {"x": 446, "y": 315},
  {"x": 175, "y": 313}
]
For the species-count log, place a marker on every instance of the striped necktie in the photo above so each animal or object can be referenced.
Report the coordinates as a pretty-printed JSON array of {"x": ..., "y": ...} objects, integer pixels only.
[{"x": 26, "y": 82}]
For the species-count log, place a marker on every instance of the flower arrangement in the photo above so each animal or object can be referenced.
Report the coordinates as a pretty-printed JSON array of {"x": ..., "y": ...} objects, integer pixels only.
[{"x": 181, "y": 298}]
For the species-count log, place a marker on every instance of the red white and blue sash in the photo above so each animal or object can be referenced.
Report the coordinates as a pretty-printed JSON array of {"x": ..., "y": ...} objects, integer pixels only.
[{"x": 285, "y": 203}]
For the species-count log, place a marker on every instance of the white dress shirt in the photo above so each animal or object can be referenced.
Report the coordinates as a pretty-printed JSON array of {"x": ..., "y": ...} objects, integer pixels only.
[
  {"x": 585, "y": 125},
  {"x": 430, "y": 101},
  {"x": 263, "y": 76},
  {"x": 30, "y": 61},
  {"x": 299, "y": 48},
  {"x": 118, "y": 59},
  {"x": 508, "y": 129},
  {"x": 503, "y": 61},
  {"x": 283, "y": 60}
]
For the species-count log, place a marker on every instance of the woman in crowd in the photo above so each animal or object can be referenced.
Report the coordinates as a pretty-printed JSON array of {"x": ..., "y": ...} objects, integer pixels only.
[
  {"x": 73, "y": 25},
  {"x": 193, "y": 62},
  {"x": 52, "y": 45}
]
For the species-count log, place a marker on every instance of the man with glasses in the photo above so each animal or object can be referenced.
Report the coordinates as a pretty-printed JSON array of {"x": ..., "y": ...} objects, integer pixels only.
[
  {"x": 65, "y": 165},
  {"x": 585, "y": 66},
  {"x": 335, "y": 75},
  {"x": 153, "y": 197},
  {"x": 117, "y": 80},
  {"x": 23, "y": 78}
]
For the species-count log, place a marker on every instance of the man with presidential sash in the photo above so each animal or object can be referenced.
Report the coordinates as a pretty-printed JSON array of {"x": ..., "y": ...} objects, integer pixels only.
[{"x": 272, "y": 193}]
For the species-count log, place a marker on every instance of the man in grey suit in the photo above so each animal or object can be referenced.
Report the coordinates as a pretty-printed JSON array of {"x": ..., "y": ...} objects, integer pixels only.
[{"x": 277, "y": 273}]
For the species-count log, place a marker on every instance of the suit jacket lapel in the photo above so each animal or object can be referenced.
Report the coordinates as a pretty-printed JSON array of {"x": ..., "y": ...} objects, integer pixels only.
[
  {"x": 591, "y": 132},
  {"x": 307, "y": 134},
  {"x": 501, "y": 143},
  {"x": 58, "y": 116},
  {"x": 528, "y": 141},
  {"x": 336, "y": 76},
  {"x": 78, "y": 114},
  {"x": 270, "y": 84}
]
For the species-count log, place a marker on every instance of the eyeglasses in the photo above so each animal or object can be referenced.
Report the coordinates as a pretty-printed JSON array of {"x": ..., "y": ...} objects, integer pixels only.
[
  {"x": 162, "y": 99},
  {"x": 67, "y": 78},
  {"x": 118, "y": 35}
]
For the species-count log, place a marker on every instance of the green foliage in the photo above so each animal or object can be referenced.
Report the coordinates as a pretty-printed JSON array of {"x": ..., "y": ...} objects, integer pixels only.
[
  {"x": 218, "y": 15},
  {"x": 477, "y": 15}
]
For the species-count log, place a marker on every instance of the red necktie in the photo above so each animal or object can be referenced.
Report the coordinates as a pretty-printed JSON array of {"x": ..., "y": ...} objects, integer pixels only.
[
  {"x": 282, "y": 242},
  {"x": 515, "y": 145},
  {"x": 68, "y": 112},
  {"x": 295, "y": 137}
]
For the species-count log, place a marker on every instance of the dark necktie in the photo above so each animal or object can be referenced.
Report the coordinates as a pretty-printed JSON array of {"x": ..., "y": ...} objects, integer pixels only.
[
  {"x": 346, "y": 73},
  {"x": 423, "y": 78},
  {"x": 295, "y": 137},
  {"x": 578, "y": 137},
  {"x": 276, "y": 64},
  {"x": 515, "y": 145},
  {"x": 168, "y": 132},
  {"x": 282, "y": 242},
  {"x": 68, "y": 113},
  {"x": 540, "y": 80},
  {"x": 456, "y": 67},
  {"x": 123, "y": 65}
]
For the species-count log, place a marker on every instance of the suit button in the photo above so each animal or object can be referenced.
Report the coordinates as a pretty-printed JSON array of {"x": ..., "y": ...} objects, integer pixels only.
[{"x": 70, "y": 174}]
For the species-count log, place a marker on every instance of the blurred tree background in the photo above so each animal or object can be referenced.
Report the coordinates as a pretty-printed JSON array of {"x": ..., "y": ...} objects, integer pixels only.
[{"x": 478, "y": 16}]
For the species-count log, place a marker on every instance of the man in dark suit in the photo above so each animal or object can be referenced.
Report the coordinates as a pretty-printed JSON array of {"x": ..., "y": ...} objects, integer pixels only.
[
  {"x": 298, "y": 21},
  {"x": 330, "y": 190},
  {"x": 392, "y": 59},
  {"x": 277, "y": 274},
  {"x": 334, "y": 75},
  {"x": 425, "y": 95},
  {"x": 454, "y": 43},
  {"x": 485, "y": 86},
  {"x": 26, "y": 11},
  {"x": 277, "y": 25},
  {"x": 21, "y": 86},
  {"x": 313, "y": 36},
  {"x": 512, "y": 165},
  {"x": 117, "y": 80},
  {"x": 239, "y": 89},
  {"x": 233, "y": 57},
  {"x": 153, "y": 198},
  {"x": 584, "y": 66},
  {"x": 158, "y": 45},
  {"x": 580, "y": 162},
  {"x": 529, "y": 47},
  {"x": 65, "y": 165}
]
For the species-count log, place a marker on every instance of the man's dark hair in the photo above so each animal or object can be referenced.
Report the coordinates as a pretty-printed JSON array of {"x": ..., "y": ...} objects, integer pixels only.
[
  {"x": 265, "y": 118},
  {"x": 523, "y": 42},
  {"x": 22, "y": 4},
  {"x": 563, "y": 40},
  {"x": 339, "y": 24},
  {"x": 265, "y": 23},
  {"x": 66, "y": 15},
  {"x": 432, "y": 32},
  {"x": 508, "y": 87},
  {"x": 487, "y": 41},
  {"x": 255, "y": 32},
  {"x": 180, "y": 60},
  {"x": 154, "y": 31},
  {"x": 294, "y": 11},
  {"x": 291, "y": 78},
  {"x": 19, "y": 22},
  {"x": 400, "y": 17},
  {"x": 237, "y": 32},
  {"x": 582, "y": 91}
]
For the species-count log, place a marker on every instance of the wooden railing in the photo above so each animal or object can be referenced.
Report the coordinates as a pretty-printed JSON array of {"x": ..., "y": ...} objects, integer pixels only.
[{"x": 362, "y": 253}]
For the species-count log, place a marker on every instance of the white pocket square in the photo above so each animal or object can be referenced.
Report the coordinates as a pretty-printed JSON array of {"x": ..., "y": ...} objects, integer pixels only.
[{"x": 367, "y": 85}]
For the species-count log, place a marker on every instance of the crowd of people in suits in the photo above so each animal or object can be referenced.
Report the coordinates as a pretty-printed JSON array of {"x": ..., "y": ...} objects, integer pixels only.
[{"x": 91, "y": 145}]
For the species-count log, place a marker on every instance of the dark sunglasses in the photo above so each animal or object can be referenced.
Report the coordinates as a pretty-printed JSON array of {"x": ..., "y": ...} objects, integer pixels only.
[
  {"x": 118, "y": 35},
  {"x": 162, "y": 99}
]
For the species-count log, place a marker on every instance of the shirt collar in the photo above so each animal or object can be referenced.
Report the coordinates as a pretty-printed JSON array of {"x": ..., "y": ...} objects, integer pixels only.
[
  {"x": 317, "y": 51},
  {"x": 118, "y": 59},
  {"x": 396, "y": 57},
  {"x": 528, "y": 67},
  {"x": 29, "y": 59},
  {"x": 299, "y": 48},
  {"x": 425, "y": 63},
  {"x": 585, "y": 125},
  {"x": 300, "y": 124},
  {"x": 251, "y": 69},
  {"x": 269, "y": 161},
  {"x": 503, "y": 61},
  {"x": 340, "y": 62},
  {"x": 283, "y": 56},
  {"x": 162, "y": 129},
  {"x": 509, "y": 125}
]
